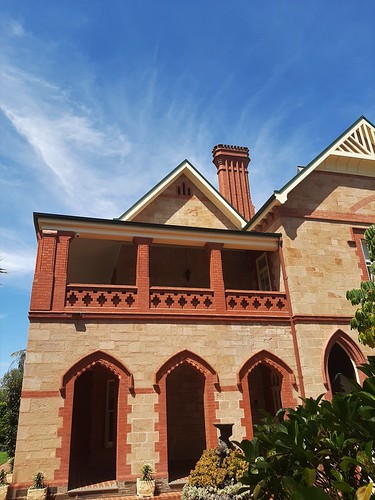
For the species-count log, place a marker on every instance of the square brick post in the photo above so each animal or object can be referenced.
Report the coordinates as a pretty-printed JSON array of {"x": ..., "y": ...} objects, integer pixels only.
[
  {"x": 41, "y": 295},
  {"x": 143, "y": 272},
  {"x": 61, "y": 269},
  {"x": 217, "y": 276}
]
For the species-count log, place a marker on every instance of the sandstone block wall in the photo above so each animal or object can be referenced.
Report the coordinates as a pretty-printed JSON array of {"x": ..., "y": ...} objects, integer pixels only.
[
  {"x": 142, "y": 347},
  {"x": 193, "y": 209}
]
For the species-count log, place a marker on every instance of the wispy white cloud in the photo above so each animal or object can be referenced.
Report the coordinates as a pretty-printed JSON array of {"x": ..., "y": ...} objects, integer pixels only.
[
  {"x": 17, "y": 256},
  {"x": 71, "y": 147}
]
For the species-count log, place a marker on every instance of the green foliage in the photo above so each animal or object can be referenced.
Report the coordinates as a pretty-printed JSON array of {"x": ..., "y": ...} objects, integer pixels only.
[
  {"x": 146, "y": 472},
  {"x": 38, "y": 481},
  {"x": 229, "y": 492},
  {"x": 3, "y": 477},
  {"x": 208, "y": 473},
  {"x": 319, "y": 450},
  {"x": 364, "y": 297},
  {"x": 3, "y": 457},
  {"x": 10, "y": 396}
]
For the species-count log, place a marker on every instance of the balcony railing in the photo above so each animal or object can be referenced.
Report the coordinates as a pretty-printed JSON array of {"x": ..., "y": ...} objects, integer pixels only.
[
  {"x": 123, "y": 299},
  {"x": 81, "y": 297},
  {"x": 255, "y": 302},
  {"x": 177, "y": 299}
]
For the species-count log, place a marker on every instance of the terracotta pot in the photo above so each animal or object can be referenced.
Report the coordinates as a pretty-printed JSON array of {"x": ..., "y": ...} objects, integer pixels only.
[
  {"x": 145, "y": 489},
  {"x": 37, "y": 494}
]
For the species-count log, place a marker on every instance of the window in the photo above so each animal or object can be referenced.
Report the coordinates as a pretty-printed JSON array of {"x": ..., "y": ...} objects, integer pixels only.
[
  {"x": 367, "y": 258},
  {"x": 264, "y": 281}
]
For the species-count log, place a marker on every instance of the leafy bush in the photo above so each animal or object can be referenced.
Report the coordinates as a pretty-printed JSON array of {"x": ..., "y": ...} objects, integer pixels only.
[
  {"x": 208, "y": 472},
  {"x": 319, "y": 450},
  {"x": 212, "y": 480},
  {"x": 364, "y": 297},
  {"x": 229, "y": 492}
]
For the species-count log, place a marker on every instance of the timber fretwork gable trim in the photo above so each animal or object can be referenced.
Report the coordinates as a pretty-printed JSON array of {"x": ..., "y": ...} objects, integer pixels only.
[{"x": 360, "y": 142}]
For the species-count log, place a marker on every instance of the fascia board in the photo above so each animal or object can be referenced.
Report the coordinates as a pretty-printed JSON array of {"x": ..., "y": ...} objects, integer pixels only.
[{"x": 159, "y": 234}]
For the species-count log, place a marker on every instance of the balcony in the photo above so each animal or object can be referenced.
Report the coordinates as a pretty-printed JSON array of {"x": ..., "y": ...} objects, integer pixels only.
[{"x": 105, "y": 278}]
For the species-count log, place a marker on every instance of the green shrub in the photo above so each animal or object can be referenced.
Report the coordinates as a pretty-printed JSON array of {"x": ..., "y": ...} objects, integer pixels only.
[
  {"x": 230, "y": 492},
  {"x": 208, "y": 473},
  {"x": 320, "y": 450}
]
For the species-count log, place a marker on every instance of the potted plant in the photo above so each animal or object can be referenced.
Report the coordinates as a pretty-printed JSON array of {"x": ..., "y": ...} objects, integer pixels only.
[
  {"x": 3, "y": 485},
  {"x": 38, "y": 491},
  {"x": 146, "y": 483}
]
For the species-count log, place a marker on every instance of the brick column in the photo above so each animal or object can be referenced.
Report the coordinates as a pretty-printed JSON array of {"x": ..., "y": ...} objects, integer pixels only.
[
  {"x": 143, "y": 272},
  {"x": 61, "y": 269},
  {"x": 216, "y": 275},
  {"x": 41, "y": 296}
]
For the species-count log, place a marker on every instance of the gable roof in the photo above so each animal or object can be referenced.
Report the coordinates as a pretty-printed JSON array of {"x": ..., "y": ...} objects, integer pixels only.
[
  {"x": 352, "y": 152},
  {"x": 187, "y": 169}
]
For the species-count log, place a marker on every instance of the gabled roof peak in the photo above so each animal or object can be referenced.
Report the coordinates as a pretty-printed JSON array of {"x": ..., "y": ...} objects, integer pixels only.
[{"x": 353, "y": 152}]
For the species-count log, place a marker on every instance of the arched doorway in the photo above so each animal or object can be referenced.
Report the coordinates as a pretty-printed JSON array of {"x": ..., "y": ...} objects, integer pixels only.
[
  {"x": 267, "y": 383},
  {"x": 341, "y": 356},
  {"x": 186, "y": 433},
  {"x": 186, "y": 412},
  {"x": 341, "y": 370},
  {"x": 94, "y": 427},
  {"x": 264, "y": 391}
]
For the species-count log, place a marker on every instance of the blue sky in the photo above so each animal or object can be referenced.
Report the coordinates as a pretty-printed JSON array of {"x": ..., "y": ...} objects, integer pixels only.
[{"x": 100, "y": 100}]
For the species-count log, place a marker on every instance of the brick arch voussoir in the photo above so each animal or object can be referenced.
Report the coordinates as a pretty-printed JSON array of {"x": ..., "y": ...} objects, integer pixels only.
[
  {"x": 272, "y": 361},
  {"x": 350, "y": 347},
  {"x": 186, "y": 357},
  {"x": 96, "y": 358},
  {"x": 362, "y": 203}
]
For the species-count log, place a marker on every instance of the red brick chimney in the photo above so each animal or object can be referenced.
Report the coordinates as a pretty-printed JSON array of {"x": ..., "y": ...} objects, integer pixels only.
[{"x": 231, "y": 163}]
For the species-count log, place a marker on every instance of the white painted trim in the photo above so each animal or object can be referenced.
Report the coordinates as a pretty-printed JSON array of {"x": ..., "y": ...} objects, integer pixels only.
[{"x": 200, "y": 182}]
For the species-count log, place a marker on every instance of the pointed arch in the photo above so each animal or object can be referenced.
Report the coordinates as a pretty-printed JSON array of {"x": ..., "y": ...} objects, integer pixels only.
[
  {"x": 189, "y": 357},
  {"x": 352, "y": 350},
  {"x": 67, "y": 389},
  {"x": 269, "y": 359},
  {"x": 87, "y": 362},
  {"x": 211, "y": 380},
  {"x": 276, "y": 365}
]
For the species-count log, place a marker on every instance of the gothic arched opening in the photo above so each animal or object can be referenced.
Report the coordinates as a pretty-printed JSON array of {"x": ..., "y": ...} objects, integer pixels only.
[
  {"x": 340, "y": 369},
  {"x": 264, "y": 390},
  {"x": 94, "y": 427},
  {"x": 186, "y": 433}
]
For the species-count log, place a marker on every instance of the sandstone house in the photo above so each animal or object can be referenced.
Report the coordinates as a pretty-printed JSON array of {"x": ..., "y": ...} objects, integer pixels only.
[{"x": 191, "y": 309}]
